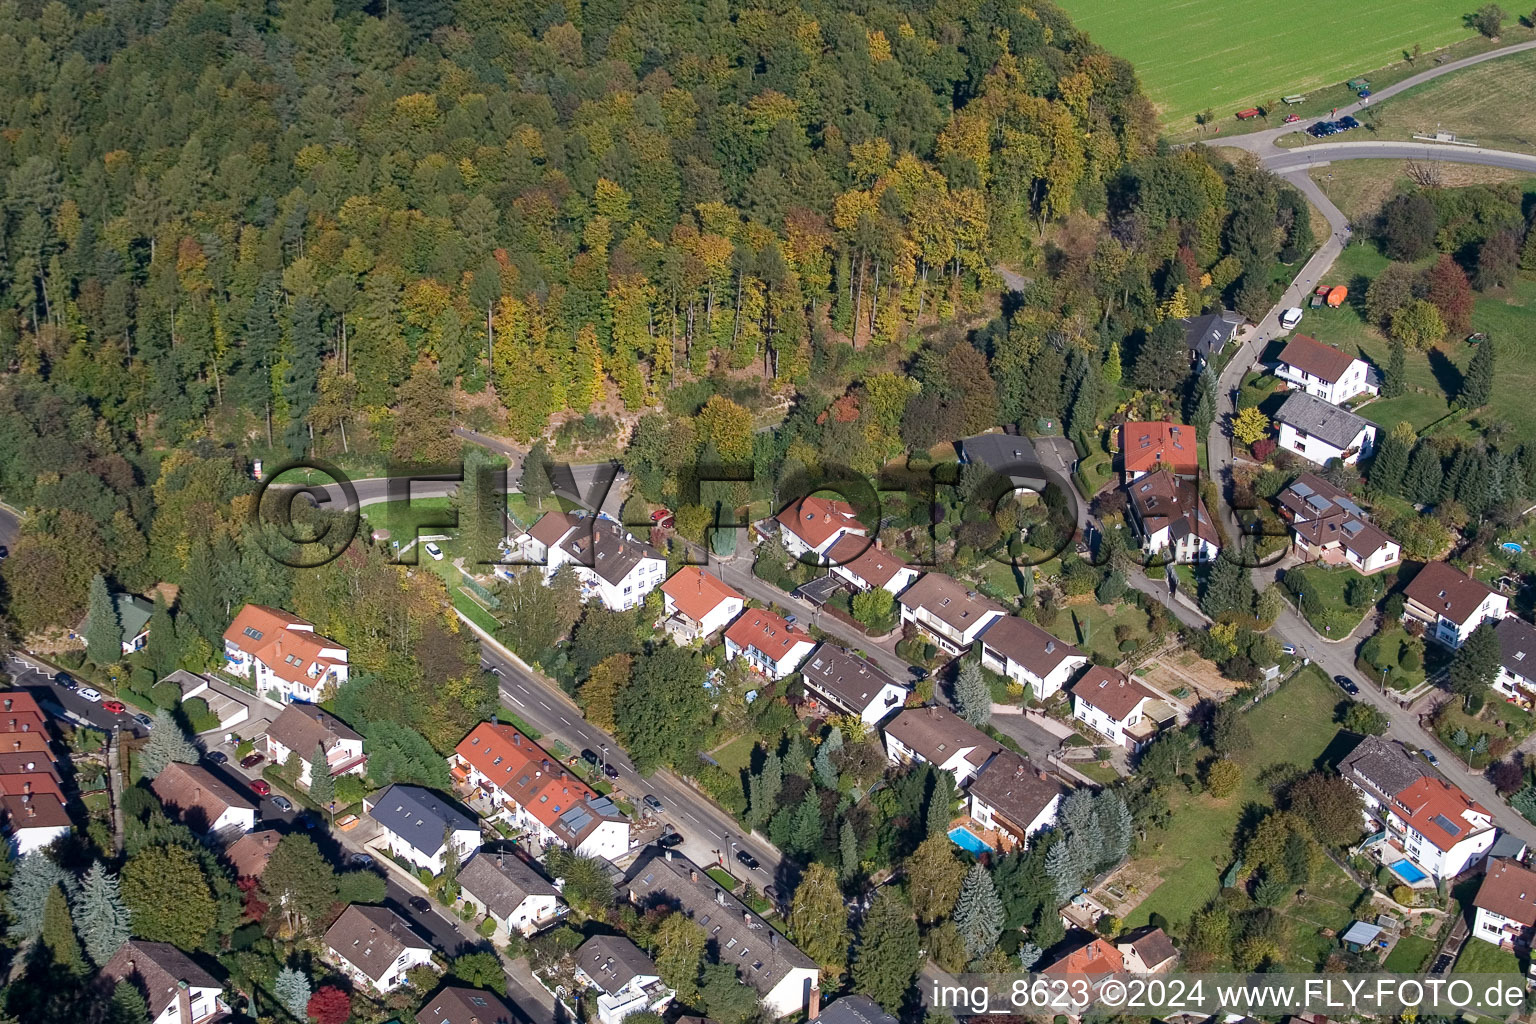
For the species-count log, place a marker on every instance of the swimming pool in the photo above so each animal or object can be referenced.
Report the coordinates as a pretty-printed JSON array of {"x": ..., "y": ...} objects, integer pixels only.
[
  {"x": 968, "y": 840},
  {"x": 1510, "y": 545},
  {"x": 1408, "y": 871}
]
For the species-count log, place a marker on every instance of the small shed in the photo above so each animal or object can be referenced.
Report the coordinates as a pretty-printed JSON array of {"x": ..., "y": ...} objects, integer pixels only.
[{"x": 1360, "y": 936}]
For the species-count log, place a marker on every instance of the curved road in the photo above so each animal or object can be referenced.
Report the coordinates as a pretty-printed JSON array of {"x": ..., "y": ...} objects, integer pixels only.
[
  {"x": 1257, "y": 142},
  {"x": 1283, "y": 160}
]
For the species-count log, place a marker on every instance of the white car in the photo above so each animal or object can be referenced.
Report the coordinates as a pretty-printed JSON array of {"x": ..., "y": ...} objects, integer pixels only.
[
  {"x": 91, "y": 694},
  {"x": 435, "y": 551},
  {"x": 1291, "y": 317}
]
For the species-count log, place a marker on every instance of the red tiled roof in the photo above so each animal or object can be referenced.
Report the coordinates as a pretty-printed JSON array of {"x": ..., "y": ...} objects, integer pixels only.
[
  {"x": 1435, "y": 810},
  {"x": 1447, "y": 591},
  {"x": 523, "y": 770},
  {"x": 1311, "y": 356},
  {"x": 20, "y": 713},
  {"x": 551, "y": 527},
  {"x": 1144, "y": 445},
  {"x": 1093, "y": 960},
  {"x": 696, "y": 592},
  {"x": 31, "y": 783},
  {"x": 766, "y": 632},
  {"x": 249, "y": 854},
  {"x": 43, "y": 810},
  {"x": 287, "y": 652},
  {"x": 1509, "y": 890},
  {"x": 865, "y": 559},
  {"x": 814, "y": 519},
  {"x": 1111, "y": 691}
]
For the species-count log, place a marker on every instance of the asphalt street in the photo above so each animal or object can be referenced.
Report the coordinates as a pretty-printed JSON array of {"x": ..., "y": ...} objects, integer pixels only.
[
  {"x": 38, "y": 680},
  {"x": 1323, "y": 153},
  {"x": 10, "y": 527}
]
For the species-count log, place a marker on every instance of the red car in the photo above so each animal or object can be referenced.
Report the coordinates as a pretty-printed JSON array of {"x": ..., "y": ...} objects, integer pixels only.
[
  {"x": 1292, "y": 118},
  {"x": 116, "y": 707},
  {"x": 261, "y": 787}
]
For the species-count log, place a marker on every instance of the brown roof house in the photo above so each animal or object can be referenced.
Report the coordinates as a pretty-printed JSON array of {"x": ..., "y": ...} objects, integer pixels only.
[
  {"x": 1022, "y": 651},
  {"x": 512, "y": 893},
  {"x": 865, "y": 564},
  {"x": 626, "y": 980},
  {"x": 1119, "y": 708},
  {"x": 249, "y": 854},
  {"x": 1327, "y": 526},
  {"x": 1506, "y": 905},
  {"x": 851, "y": 685},
  {"x": 937, "y": 736},
  {"x": 1325, "y": 372},
  {"x": 947, "y": 611},
  {"x": 698, "y": 604},
  {"x": 303, "y": 727},
  {"x": 1148, "y": 951},
  {"x": 375, "y": 947},
  {"x": 455, "y": 1004},
  {"x": 1015, "y": 796},
  {"x": 176, "y": 989},
  {"x": 1172, "y": 519},
  {"x": 203, "y": 801},
  {"x": 1451, "y": 604}
]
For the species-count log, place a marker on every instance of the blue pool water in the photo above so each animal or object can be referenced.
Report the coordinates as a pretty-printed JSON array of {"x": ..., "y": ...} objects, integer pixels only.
[
  {"x": 968, "y": 840},
  {"x": 1408, "y": 871},
  {"x": 1510, "y": 545}
]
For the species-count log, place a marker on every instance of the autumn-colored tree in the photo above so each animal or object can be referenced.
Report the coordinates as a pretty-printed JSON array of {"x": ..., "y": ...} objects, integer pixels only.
[{"x": 1451, "y": 293}]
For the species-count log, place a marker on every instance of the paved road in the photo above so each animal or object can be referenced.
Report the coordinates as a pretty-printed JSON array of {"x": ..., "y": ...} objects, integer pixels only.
[
  {"x": 1258, "y": 142},
  {"x": 37, "y": 679},
  {"x": 10, "y": 526},
  {"x": 709, "y": 833},
  {"x": 1324, "y": 153}
]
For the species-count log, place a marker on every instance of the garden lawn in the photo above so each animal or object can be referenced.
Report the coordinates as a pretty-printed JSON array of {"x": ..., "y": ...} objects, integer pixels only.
[
  {"x": 1294, "y": 726},
  {"x": 1409, "y": 955},
  {"x": 1100, "y": 622},
  {"x": 1326, "y": 586},
  {"x": 1231, "y": 54},
  {"x": 1479, "y": 957}
]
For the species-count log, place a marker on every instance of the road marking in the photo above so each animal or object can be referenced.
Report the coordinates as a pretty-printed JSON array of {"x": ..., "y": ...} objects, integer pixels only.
[
  {"x": 513, "y": 699},
  {"x": 567, "y": 721},
  {"x": 546, "y": 707},
  {"x": 687, "y": 814}
]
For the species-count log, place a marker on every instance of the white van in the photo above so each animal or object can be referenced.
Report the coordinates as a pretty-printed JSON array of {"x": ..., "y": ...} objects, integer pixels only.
[{"x": 1291, "y": 317}]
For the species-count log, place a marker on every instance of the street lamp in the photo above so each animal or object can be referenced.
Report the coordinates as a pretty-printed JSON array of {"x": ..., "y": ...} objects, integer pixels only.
[
  {"x": 731, "y": 854},
  {"x": 602, "y": 759}
]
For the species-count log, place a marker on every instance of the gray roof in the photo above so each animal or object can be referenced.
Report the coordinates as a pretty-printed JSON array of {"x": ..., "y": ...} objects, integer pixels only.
[
  {"x": 418, "y": 816},
  {"x": 1382, "y": 766},
  {"x": 1014, "y": 787},
  {"x": 1517, "y": 646},
  {"x": 459, "y": 1005},
  {"x": 1311, "y": 415},
  {"x": 500, "y": 882},
  {"x": 845, "y": 678},
  {"x": 1024, "y": 643},
  {"x": 1207, "y": 334},
  {"x": 760, "y": 954},
  {"x": 1006, "y": 452},
  {"x": 301, "y": 727},
  {"x": 1362, "y": 933},
  {"x": 605, "y": 547},
  {"x": 372, "y": 938},
  {"x": 612, "y": 962},
  {"x": 855, "y": 1009}
]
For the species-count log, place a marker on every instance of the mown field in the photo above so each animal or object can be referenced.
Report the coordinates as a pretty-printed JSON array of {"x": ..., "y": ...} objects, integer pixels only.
[
  {"x": 1475, "y": 104},
  {"x": 1229, "y": 54}
]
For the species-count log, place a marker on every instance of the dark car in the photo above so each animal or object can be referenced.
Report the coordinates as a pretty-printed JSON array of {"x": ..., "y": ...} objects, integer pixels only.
[
  {"x": 589, "y": 756},
  {"x": 917, "y": 672},
  {"x": 252, "y": 760},
  {"x": 610, "y": 771},
  {"x": 1316, "y": 130},
  {"x": 66, "y": 680},
  {"x": 419, "y": 904},
  {"x": 1347, "y": 685},
  {"x": 670, "y": 840},
  {"x": 771, "y": 895},
  {"x": 1348, "y": 123},
  {"x": 216, "y": 757},
  {"x": 747, "y": 859},
  {"x": 4, "y": 551}
]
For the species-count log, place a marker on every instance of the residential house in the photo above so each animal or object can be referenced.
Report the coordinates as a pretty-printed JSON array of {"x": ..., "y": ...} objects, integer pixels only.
[
  {"x": 1022, "y": 651},
  {"x": 698, "y": 604},
  {"x": 19, "y": 713},
  {"x": 1379, "y": 769},
  {"x": 1013, "y": 795},
  {"x": 1320, "y": 432},
  {"x": 854, "y": 1009},
  {"x": 133, "y": 613},
  {"x": 249, "y": 854},
  {"x": 809, "y": 527},
  {"x": 1442, "y": 830},
  {"x": 282, "y": 655},
  {"x": 301, "y": 728},
  {"x": 1451, "y": 604},
  {"x": 614, "y": 568},
  {"x": 418, "y": 824},
  {"x": 947, "y": 611},
  {"x": 768, "y": 642},
  {"x": 33, "y": 821},
  {"x": 533, "y": 791},
  {"x": 1506, "y": 905},
  {"x": 1327, "y": 526},
  {"x": 937, "y": 736},
  {"x": 512, "y": 893},
  {"x": 1325, "y": 372},
  {"x": 785, "y": 979},
  {"x": 26, "y": 752},
  {"x": 1517, "y": 659},
  {"x": 375, "y": 947},
  {"x": 1095, "y": 962},
  {"x": 1010, "y": 456},
  {"x": 626, "y": 979},
  {"x": 1148, "y": 951},
  {"x": 1172, "y": 519},
  {"x": 1118, "y": 707},
  {"x": 1208, "y": 334},
  {"x": 852, "y": 685},
  {"x": 865, "y": 564},
  {"x": 1158, "y": 446},
  {"x": 176, "y": 989},
  {"x": 203, "y": 801},
  {"x": 455, "y": 1004}
]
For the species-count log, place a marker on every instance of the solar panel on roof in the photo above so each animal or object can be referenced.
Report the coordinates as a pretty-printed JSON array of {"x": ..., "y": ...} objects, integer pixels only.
[
  {"x": 1318, "y": 503},
  {"x": 1450, "y": 826},
  {"x": 1301, "y": 489},
  {"x": 1353, "y": 527}
]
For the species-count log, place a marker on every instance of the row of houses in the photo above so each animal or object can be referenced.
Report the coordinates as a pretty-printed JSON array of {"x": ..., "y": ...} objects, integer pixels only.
[{"x": 33, "y": 807}]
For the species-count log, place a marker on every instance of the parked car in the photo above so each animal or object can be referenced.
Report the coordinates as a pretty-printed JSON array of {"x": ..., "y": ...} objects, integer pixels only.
[
  {"x": 917, "y": 672},
  {"x": 771, "y": 894},
  {"x": 261, "y": 787},
  {"x": 669, "y": 840},
  {"x": 1429, "y": 755},
  {"x": 1347, "y": 685},
  {"x": 651, "y": 802},
  {"x": 419, "y": 904},
  {"x": 115, "y": 707},
  {"x": 361, "y": 860},
  {"x": 1288, "y": 649},
  {"x": 1291, "y": 317},
  {"x": 144, "y": 720},
  {"x": 1292, "y": 118},
  {"x": 589, "y": 756},
  {"x": 610, "y": 771},
  {"x": 91, "y": 694},
  {"x": 4, "y": 551},
  {"x": 747, "y": 859},
  {"x": 282, "y": 803},
  {"x": 1347, "y": 123},
  {"x": 252, "y": 760},
  {"x": 433, "y": 550},
  {"x": 66, "y": 680},
  {"x": 216, "y": 757}
]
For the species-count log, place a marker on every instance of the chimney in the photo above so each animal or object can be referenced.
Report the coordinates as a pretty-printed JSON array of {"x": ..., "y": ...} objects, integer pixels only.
[
  {"x": 746, "y": 918},
  {"x": 813, "y": 1008},
  {"x": 183, "y": 1001},
  {"x": 693, "y": 874},
  {"x": 720, "y": 896},
  {"x": 669, "y": 855},
  {"x": 1050, "y": 647},
  {"x": 8, "y": 703}
]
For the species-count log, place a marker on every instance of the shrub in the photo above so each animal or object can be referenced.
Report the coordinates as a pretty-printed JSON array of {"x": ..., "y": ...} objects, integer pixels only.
[
  {"x": 1263, "y": 448},
  {"x": 486, "y": 928},
  {"x": 199, "y": 718},
  {"x": 165, "y": 695},
  {"x": 1223, "y": 778},
  {"x": 1405, "y": 896}
]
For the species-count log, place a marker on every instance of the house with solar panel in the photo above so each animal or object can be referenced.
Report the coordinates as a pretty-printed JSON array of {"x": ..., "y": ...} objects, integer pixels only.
[
  {"x": 1327, "y": 526},
  {"x": 1517, "y": 659},
  {"x": 417, "y": 826}
]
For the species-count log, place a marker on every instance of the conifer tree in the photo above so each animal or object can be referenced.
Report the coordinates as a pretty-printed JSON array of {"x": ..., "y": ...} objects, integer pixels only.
[
  {"x": 973, "y": 696},
  {"x": 889, "y": 952},
  {"x": 848, "y": 849},
  {"x": 103, "y": 627},
  {"x": 163, "y": 649},
  {"x": 35, "y": 876},
  {"x": 58, "y": 935},
  {"x": 322, "y": 787},
  {"x": 100, "y": 915},
  {"x": 167, "y": 743},
  {"x": 1393, "y": 381},
  {"x": 978, "y": 912},
  {"x": 1477, "y": 383},
  {"x": 292, "y": 990}
]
